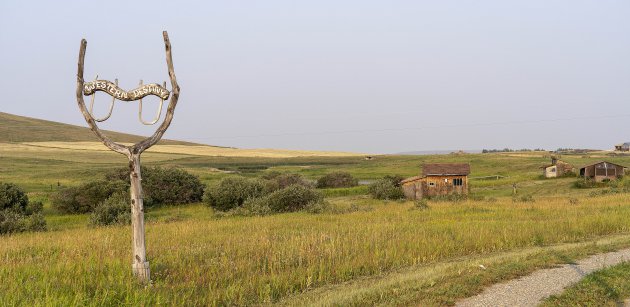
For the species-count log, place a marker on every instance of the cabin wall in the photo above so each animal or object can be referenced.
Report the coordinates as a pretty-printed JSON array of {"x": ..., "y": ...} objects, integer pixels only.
[
  {"x": 443, "y": 185},
  {"x": 598, "y": 173},
  {"x": 551, "y": 171}
]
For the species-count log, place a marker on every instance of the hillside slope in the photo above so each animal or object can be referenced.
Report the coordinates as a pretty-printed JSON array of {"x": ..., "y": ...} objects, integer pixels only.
[{"x": 17, "y": 129}]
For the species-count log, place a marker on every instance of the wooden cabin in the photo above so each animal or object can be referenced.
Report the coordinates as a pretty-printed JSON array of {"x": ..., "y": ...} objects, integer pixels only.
[
  {"x": 438, "y": 179},
  {"x": 602, "y": 170},
  {"x": 623, "y": 147},
  {"x": 557, "y": 168}
]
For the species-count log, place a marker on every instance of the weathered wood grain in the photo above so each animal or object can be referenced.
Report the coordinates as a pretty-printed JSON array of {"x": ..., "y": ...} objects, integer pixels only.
[{"x": 140, "y": 264}]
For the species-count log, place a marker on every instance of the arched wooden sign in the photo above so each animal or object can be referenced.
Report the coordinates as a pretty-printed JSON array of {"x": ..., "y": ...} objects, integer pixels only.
[{"x": 140, "y": 264}]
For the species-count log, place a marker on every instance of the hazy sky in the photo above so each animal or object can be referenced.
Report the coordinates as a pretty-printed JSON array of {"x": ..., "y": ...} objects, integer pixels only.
[{"x": 369, "y": 76}]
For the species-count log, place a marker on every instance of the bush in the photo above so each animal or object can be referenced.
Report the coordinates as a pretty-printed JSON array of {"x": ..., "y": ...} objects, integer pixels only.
[
  {"x": 385, "y": 189},
  {"x": 337, "y": 180},
  {"x": 170, "y": 186},
  {"x": 84, "y": 198},
  {"x": 587, "y": 183},
  {"x": 12, "y": 197},
  {"x": 285, "y": 180},
  {"x": 164, "y": 185},
  {"x": 17, "y": 214},
  {"x": 232, "y": 192},
  {"x": 290, "y": 199},
  {"x": 395, "y": 179},
  {"x": 11, "y": 221},
  {"x": 114, "y": 210}
]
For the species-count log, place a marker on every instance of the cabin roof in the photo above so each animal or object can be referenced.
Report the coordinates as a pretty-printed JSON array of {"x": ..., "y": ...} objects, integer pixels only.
[
  {"x": 443, "y": 169},
  {"x": 410, "y": 179},
  {"x": 598, "y": 162}
]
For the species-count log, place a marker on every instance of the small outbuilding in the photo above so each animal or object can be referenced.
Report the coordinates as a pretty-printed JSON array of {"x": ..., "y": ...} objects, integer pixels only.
[
  {"x": 623, "y": 147},
  {"x": 557, "y": 168},
  {"x": 602, "y": 170},
  {"x": 438, "y": 179}
]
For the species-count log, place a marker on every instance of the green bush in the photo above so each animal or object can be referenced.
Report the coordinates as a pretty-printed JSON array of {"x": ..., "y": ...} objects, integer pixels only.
[
  {"x": 12, "y": 197},
  {"x": 337, "y": 180},
  {"x": 17, "y": 214},
  {"x": 395, "y": 179},
  {"x": 11, "y": 221},
  {"x": 83, "y": 199},
  {"x": 114, "y": 210},
  {"x": 385, "y": 189},
  {"x": 170, "y": 186},
  {"x": 290, "y": 199},
  {"x": 232, "y": 192},
  {"x": 160, "y": 186},
  {"x": 285, "y": 180}
]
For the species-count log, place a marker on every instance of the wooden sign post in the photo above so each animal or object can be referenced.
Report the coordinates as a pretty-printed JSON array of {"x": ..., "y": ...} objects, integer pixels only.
[{"x": 140, "y": 264}]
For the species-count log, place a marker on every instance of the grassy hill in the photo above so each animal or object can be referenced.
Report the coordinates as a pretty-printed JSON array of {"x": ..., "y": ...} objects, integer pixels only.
[{"x": 18, "y": 129}]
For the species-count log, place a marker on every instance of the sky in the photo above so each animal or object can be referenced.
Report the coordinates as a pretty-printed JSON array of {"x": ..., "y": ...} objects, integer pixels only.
[{"x": 362, "y": 76}]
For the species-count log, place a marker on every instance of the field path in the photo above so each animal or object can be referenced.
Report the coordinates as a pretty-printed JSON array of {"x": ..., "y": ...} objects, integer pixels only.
[{"x": 530, "y": 290}]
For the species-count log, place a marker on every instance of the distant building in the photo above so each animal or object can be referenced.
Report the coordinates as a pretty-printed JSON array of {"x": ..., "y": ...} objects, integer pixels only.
[
  {"x": 557, "y": 168},
  {"x": 438, "y": 179},
  {"x": 623, "y": 147},
  {"x": 602, "y": 170}
]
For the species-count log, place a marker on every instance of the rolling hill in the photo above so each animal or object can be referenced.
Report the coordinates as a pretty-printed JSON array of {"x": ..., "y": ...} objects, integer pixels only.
[
  {"x": 20, "y": 134},
  {"x": 19, "y": 129}
]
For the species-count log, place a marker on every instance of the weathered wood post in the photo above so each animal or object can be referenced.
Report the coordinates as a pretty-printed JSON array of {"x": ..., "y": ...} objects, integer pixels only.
[{"x": 140, "y": 264}]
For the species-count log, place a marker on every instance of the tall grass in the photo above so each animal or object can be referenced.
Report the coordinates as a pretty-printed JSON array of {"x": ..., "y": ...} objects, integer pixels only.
[{"x": 208, "y": 261}]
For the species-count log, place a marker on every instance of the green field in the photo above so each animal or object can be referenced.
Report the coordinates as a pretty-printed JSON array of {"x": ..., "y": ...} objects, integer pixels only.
[{"x": 374, "y": 253}]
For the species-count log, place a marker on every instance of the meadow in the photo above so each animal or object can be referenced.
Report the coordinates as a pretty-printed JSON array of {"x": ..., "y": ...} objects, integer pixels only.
[{"x": 374, "y": 252}]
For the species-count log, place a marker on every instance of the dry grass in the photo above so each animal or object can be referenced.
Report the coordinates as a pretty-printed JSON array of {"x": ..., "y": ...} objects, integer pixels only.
[
  {"x": 198, "y": 150},
  {"x": 201, "y": 260}
]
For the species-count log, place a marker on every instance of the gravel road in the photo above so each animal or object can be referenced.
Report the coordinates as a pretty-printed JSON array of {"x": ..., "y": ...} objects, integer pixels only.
[{"x": 531, "y": 289}]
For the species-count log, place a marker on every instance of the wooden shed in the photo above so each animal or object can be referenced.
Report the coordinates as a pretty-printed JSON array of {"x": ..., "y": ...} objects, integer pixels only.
[
  {"x": 623, "y": 147},
  {"x": 602, "y": 170},
  {"x": 438, "y": 179},
  {"x": 557, "y": 168}
]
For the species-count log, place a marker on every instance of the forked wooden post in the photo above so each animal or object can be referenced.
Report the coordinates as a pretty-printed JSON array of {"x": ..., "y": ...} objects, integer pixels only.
[{"x": 140, "y": 264}]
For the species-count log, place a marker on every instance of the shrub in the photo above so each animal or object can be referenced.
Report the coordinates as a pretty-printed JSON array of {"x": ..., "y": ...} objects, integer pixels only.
[
  {"x": 17, "y": 214},
  {"x": 170, "y": 186},
  {"x": 232, "y": 192},
  {"x": 385, "y": 189},
  {"x": 285, "y": 180},
  {"x": 84, "y": 198},
  {"x": 587, "y": 183},
  {"x": 164, "y": 185},
  {"x": 290, "y": 199},
  {"x": 337, "y": 180},
  {"x": 12, "y": 197},
  {"x": 36, "y": 222},
  {"x": 11, "y": 221},
  {"x": 395, "y": 179},
  {"x": 271, "y": 175},
  {"x": 114, "y": 210},
  {"x": 34, "y": 207}
]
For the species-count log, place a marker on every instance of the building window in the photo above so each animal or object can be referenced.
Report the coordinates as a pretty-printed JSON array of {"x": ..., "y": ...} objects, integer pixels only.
[
  {"x": 431, "y": 184},
  {"x": 458, "y": 181},
  {"x": 553, "y": 169}
]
